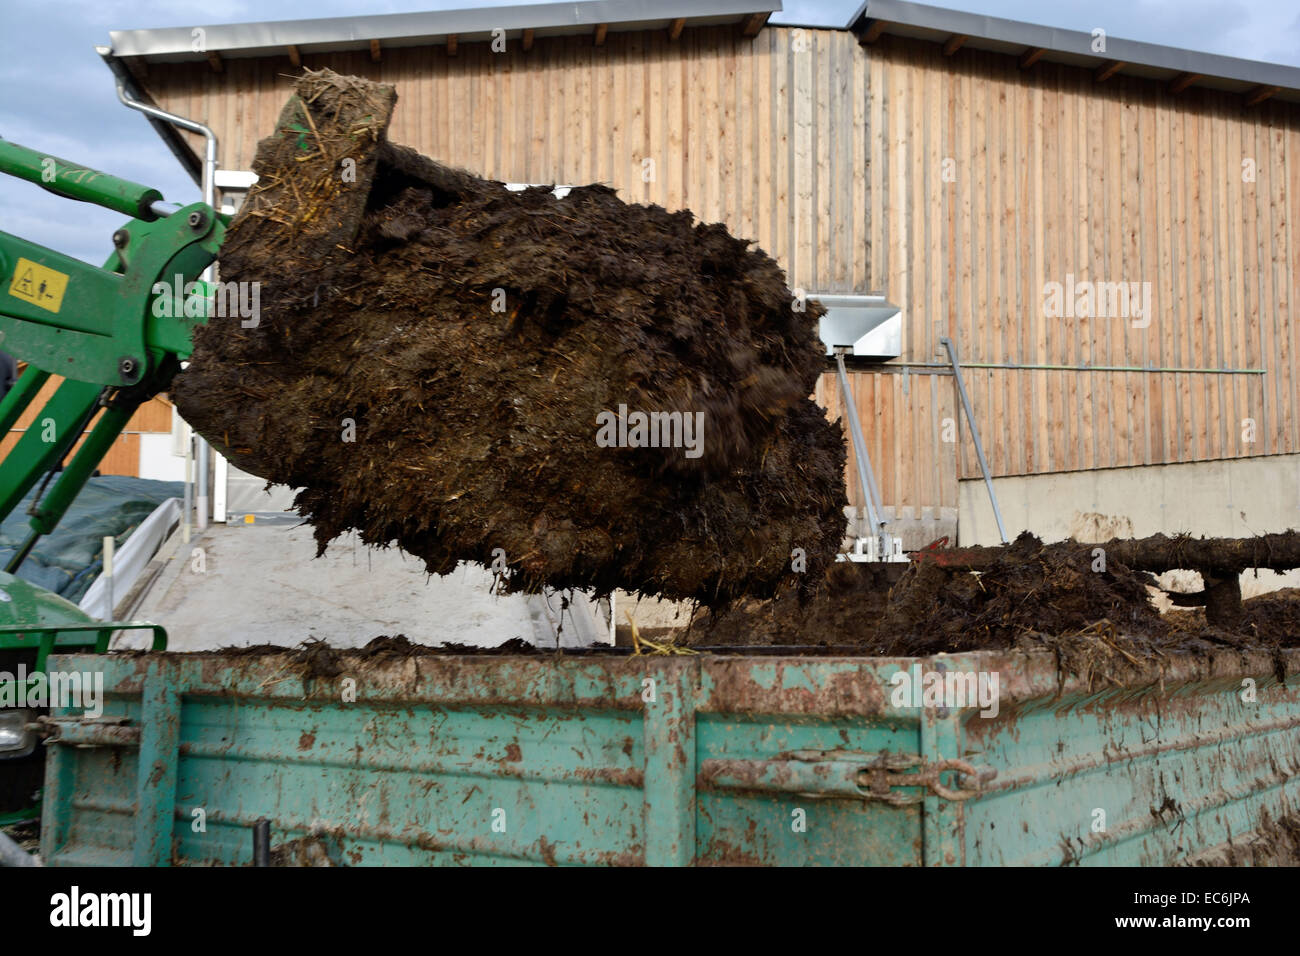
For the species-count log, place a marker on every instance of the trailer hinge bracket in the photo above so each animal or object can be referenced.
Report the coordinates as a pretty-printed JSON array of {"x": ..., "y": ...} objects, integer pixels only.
[
  {"x": 75, "y": 731},
  {"x": 898, "y": 779},
  {"x": 894, "y": 778}
]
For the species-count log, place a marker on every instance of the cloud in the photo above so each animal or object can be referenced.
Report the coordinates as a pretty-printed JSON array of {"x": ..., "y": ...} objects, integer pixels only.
[{"x": 75, "y": 229}]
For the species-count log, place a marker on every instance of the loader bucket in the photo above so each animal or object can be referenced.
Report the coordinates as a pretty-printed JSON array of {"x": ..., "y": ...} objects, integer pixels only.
[{"x": 315, "y": 173}]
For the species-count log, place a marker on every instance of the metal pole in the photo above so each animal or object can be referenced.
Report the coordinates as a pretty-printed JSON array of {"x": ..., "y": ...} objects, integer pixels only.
[
  {"x": 262, "y": 842},
  {"x": 188, "y": 514},
  {"x": 1023, "y": 367},
  {"x": 865, "y": 478},
  {"x": 202, "y": 497},
  {"x": 975, "y": 434},
  {"x": 109, "y": 544}
]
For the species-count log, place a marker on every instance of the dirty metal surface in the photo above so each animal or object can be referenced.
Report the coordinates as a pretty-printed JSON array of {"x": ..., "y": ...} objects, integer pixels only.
[
  {"x": 706, "y": 760},
  {"x": 1135, "y": 775}
]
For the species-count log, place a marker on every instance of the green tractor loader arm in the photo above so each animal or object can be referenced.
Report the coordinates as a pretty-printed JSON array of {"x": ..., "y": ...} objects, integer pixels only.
[{"x": 116, "y": 336}]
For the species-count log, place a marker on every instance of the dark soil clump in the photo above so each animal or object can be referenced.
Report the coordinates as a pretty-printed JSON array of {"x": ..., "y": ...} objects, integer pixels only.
[
  {"x": 434, "y": 350},
  {"x": 1032, "y": 589},
  {"x": 844, "y": 611},
  {"x": 1272, "y": 618},
  {"x": 1028, "y": 596},
  {"x": 1029, "y": 588}
]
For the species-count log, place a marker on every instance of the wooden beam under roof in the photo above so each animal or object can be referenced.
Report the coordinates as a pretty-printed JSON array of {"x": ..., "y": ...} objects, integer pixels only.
[
  {"x": 1260, "y": 93},
  {"x": 1108, "y": 69},
  {"x": 753, "y": 23},
  {"x": 1182, "y": 81},
  {"x": 528, "y": 40},
  {"x": 598, "y": 37},
  {"x": 875, "y": 30},
  {"x": 1031, "y": 56},
  {"x": 295, "y": 57},
  {"x": 138, "y": 66},
  {"x": 954, "y": 43},
  {"x": 675, "y": 28},
  {"x": 214, "y": 61},
  {"x": 375, "y": 55},
  {"x": 453, "y": 44}
]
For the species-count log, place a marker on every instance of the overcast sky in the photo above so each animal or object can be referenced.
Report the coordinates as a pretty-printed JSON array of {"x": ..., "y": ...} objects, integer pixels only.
[{"x": 59, "y": 96}]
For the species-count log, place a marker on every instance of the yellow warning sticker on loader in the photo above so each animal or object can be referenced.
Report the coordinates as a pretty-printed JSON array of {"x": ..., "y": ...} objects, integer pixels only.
[{"x": 39, "y": 285}]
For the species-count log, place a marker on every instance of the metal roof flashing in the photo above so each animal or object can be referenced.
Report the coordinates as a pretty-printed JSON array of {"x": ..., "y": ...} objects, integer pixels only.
[
  {"x": 422, "y": 29},
  {"x": 1075, "y": 47},
  {"x": 897, "y": 17}
]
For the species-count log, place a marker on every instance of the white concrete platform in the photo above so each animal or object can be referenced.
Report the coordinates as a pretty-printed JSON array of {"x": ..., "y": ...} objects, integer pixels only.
[{"x": 261, "y": 583}]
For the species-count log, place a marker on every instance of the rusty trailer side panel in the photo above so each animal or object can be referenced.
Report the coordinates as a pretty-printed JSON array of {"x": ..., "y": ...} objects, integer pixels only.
[{"x": 668, "y": 761}]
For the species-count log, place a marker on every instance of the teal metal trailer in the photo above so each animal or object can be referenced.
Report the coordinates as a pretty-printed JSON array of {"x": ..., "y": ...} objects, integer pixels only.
[{"x": 708, "y": 759}]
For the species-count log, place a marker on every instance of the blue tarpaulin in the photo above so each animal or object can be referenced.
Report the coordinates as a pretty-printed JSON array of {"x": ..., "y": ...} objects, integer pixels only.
[{"x": 68, "y": 561}]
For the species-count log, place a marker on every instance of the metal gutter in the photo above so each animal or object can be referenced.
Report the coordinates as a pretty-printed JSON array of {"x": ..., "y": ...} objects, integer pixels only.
[
  {"x": 188, "y": 159},
  {"x": 1039, "y": 367},
  {"x": 414, "y": 29},
  {"x": 916, "y": 19}
]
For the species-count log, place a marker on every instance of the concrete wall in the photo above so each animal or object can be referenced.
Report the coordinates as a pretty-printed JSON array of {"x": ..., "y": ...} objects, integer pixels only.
[{"x": 1232, "y": 498}]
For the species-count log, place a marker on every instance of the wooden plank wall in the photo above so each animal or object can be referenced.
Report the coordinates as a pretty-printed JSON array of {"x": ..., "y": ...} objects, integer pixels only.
[
  {"x": 956, "y": 185},
  {"x": 1053, "y": 175},
  {"x": 123, "y": 457},
  {"x": 747, "y": 132}
]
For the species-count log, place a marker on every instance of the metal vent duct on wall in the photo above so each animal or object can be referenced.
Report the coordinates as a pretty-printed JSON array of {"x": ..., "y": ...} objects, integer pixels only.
[{"x": 867, "y": 325}]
